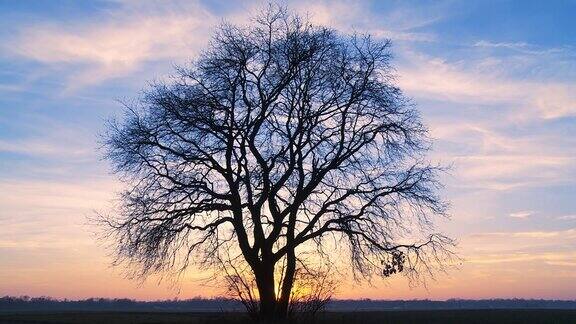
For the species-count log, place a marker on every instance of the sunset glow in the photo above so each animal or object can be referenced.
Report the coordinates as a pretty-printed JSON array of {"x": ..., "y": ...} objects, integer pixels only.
[{"x": 495, "y": 83}]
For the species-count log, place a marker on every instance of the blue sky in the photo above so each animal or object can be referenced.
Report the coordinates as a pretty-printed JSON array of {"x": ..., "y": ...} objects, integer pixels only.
[{"x": 495, "y": 81}]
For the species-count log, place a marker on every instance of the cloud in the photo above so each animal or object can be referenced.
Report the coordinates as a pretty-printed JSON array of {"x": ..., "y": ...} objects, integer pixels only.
[
  {"x": 427, "y": 77},
  {"x": 506, "y": 172},
  {"x": 46, "y": 139},
  {"x": 403, "y": 35},
  {"x": 521, "y": 47},
  {"x": 42, "y": 147},
  {"x": 118, "y": 44},
  {"x": 486, "y": 157},
  {"x": 10, "y": 88},
  {"x": 548, "y": 257},
  {"x": 123, "y": 40},
  {"x": 47, "y": 199},
  {"x": 567, "y": 217},
  {"x": 512, "y": 45},
  {"x": 564, "y": 234},
  {"x": 555, "y": 100},
  {"x": 522, "y": 214},
  {"x": 399, "y": 24},
  {"x": 539, "y": 247},
  {"x": 492, "y": 125},
  {"x": 562, "y": 263}
]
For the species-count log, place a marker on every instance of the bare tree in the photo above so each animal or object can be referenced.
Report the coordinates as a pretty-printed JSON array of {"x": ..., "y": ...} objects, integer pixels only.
[
  {"x": 280, "y": 137},
  {"x": 314, "y": 290}
]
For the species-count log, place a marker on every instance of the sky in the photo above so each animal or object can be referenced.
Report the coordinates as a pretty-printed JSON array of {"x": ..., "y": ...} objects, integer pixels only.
[{"x": 495, "y": 82}]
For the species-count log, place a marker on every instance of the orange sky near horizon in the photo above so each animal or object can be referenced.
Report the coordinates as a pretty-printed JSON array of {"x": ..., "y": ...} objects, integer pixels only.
[{"x": 497, "y": 93}]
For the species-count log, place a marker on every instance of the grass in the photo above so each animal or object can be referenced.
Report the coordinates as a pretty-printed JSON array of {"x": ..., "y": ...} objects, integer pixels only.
[{"x": 381, "y": 317}]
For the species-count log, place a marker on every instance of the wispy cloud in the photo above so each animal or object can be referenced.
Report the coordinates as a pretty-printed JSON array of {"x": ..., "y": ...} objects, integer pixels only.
[
  {"x": 521, "y": 47},
  {"x": 564, "y": 234},
  {"x": 521, "y": 214},
  {"x": 399, "y": 24},
  {"x": 124, "y": 40},
  {"x": 485, "y": 155},
  {"x": 549, "y": 258},
  {"x": 434, "y": 78},
  {"x": 45, "y": 147},
  {"x": 567, "y": 263},
  {"x": 491, "y": 121},
  {"x": 118, "y": 44},
  {"x": 512, "y": 45},
  {"x": 567, "y": 217},
  {"x": 507, "y": 172},
  {"x": 537, "y": 249}
]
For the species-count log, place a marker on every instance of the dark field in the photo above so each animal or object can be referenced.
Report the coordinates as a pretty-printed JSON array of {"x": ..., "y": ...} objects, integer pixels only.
[{"x": 434, "y": 316}]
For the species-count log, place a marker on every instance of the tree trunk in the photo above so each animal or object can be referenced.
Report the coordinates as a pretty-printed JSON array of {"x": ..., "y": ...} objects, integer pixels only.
[
  {"x": 287, "y": 284},
  {"x": 265, "y": 282}
]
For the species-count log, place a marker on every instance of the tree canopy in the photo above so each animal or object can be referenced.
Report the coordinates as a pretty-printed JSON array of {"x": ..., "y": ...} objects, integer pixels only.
[{"x": 282, "y": 142}]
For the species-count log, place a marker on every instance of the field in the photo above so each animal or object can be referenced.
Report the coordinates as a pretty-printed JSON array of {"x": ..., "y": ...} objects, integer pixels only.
[{"x": 412, "y": 317}]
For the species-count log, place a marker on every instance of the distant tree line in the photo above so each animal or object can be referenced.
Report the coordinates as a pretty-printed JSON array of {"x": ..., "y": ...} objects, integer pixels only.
[
  {"x": 425, "y": 304},
  {"x": 25, "y": 303},
  {"x": 9, "y": 303}
]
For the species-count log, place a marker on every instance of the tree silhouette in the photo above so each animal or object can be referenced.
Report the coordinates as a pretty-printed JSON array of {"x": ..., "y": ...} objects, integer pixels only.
[{"x": 282, "y": 139}]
